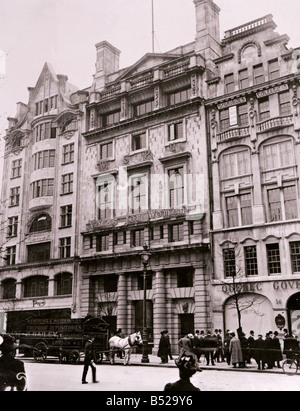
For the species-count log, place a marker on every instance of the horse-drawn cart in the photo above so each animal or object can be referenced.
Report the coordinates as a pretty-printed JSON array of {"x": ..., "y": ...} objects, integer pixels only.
[{"x": 64, "y": 339}]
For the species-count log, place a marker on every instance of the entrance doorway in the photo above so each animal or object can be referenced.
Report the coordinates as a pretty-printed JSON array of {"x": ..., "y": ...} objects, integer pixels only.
[
  {"x": 186, "y": 324},
  {"x": 293, "y": 307}
]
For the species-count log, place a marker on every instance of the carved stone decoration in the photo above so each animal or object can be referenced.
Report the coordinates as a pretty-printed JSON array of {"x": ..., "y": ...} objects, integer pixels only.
[
  {"x": 194, "y": 85},
  {"x": 214, "y": 130},
  {"x": 156, "y": 97},
  {"x": 68, "y": 134},
  {"x": 176, "y": 148},
  {"x": 123, "y": 114},
  {"x": 103, "y": 165},
  {"x": 252, "y": 112},
  {"x": 295, "y": 100},
  {"x": 92, "y": 119}
]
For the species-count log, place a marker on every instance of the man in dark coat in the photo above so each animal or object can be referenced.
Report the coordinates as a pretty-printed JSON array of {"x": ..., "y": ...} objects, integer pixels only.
[
  {"x": 164, "y": 348},
  {"x": 270, "y": 350},
  {"x": 187, "y": 368},
  {"x": 89, "y": 359},
  {"x": 169, "y": 344},
  {"x": 227, "y": 353},
  {"x": 12, "y": 371},
  {"x": 251, "y": 344},
  {"x": 210, "y": 346},
  {"x": 259, "y": 352}
]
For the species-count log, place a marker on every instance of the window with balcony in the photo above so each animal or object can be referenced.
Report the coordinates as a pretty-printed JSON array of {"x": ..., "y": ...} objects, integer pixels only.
[
  {"x": 67, "y": 183},
  {"x": 65, "y": 247},
  {"x": 251, "y": 265},
  {"x": 36, "y": 286},
  {"x": 259, "y": 74},
  {"x": 68, "y": 153},
  {"x": 63, "y": 284},
  {"x": 224, "y": 119},
  {"x": 273, "y": 255},
  {"x": 12, "y": 229},
  {"x": 42, "y": 222},
  {"x": 44, "y": 159},
  {"x": 285, "y": 106},
  {"x": 38, "y": 252},
  {"x": 42, "y": 188},
  {"x": 16, "y": 168},
  {"x": 243, "y": 117}
]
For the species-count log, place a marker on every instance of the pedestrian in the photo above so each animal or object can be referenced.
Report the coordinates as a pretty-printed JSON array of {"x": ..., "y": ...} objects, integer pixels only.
[
  {"x": 269, "y": 347},
  {"x": 227, "y": 340},
  {"x": 187, "y": 368},
  {"x": 197, "y": 344},
  {"x": 291, "y": 345},
  {"x": 245, "y": 349},
  {"x": 186, "y": 345},
  {"x": 251, "y": 345},
  {"x": 236, "y": 351},
  {"x": 259, "y": 352},
  {"x": 163, "y": 348},
  {"x": 277, "y": 347},
  {"x": 169, "y": 344},
  {"x": 12, "y": 371},
  {"x": 218, "y": 352},
  {"x": 89, "y": 359},
  {"x": 210, "y": 346}
]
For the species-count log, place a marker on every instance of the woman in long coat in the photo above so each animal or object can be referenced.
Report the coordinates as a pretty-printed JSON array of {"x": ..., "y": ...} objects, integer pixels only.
[{"x": 235, "y": 351}]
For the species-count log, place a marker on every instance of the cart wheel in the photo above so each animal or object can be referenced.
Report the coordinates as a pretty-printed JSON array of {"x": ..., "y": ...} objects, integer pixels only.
[
  {"x": 290, "y": 367},
  {"x": 40, "y": 352},
  {"x": 74, "y": 357}
]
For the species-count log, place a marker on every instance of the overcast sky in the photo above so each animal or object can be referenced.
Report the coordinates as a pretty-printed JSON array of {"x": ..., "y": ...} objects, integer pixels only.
[{"x": 64, "y": 33}]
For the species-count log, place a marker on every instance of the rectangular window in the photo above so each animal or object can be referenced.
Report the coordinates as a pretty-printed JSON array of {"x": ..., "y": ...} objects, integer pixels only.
[
  {"x": 232, "y": 211},
  {"x": 229, "y": 262},
  {"x": 143, "y": 108},
  {"x": 224, "y": 119},
  {"x": 105, "y": 201},
  {"x": 239, "y": 210},
  {"x": 11, "y": 255},
  {"x": 111, "y": 118},
  {"x": 273, "y": 254},
  {"x": 229, "y": 83},
  {"x": 53, "y": 102},
  {"x": 12, "y": 226},
  {"x": 275, "y": 209},
  {"x": 264, "y": 108},
  {"x": 106, "y": 151},
  {"x": 110, "y": 283},
  {"x": 38, "y": 252},
  {"x": 259, "y": 74},
  {"x": 44, "y": 159},
  {"x": 139, "y": 141},
  {"x": 274, "y": 71},
  {"x": 176, "y": 187},
  {"x": 290, "y": 202},
  {"x": 139, "y": 188},
  {"x": 137, "y": 238},
  {"x": 175, "y": 131},
  {"x": 295, "y": 256},
  {"x": 176, "y": 232},
  {"x": 236, "y": 164},
  {"x": 43, "y": 188},
  {"x": 68, "y": 153},
  {"x": 65, "y": 247},
  {"x": 251, "y": 261},
  {"x": 102, "y": 242},
  {"x": 178, "y": 97},
  {"x": 283, "y": 203},
  {"x": 246, "y": 209},
  {"x": 244, "y": 79},
  {"x": 285, "y": 107},
  {"x": 140, "y": 280},
  {"x": 278, "y": 155},
  {"x": 185, "y": 278},
  {"x": 67, "y": 183},
  {"x": 161, "y": 232},
  {"x": 16, "y": 168},
  {"x": 243, "y": 118},
  {"x": 14, "y": 198},
  {"x": 66, "y": 216}
]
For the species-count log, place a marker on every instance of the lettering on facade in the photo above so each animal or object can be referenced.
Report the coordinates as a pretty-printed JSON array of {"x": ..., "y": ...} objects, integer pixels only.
[
  {"x": 245, "y": 288},
  {"x": 234, "y": 102},
  {"x": 39, "y": 303},
  {"x": 273, "y": 90},
  {"x": 286, "y": 285},
  {"x": 258, "y": 287}
]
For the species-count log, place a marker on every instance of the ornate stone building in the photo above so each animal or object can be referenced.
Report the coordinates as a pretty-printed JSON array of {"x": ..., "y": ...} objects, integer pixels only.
[
  {"x": 253, "y": 135},
  {"x": 40, "y": 200}
]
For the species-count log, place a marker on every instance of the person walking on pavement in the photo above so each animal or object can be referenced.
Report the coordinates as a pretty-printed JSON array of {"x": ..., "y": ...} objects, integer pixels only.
[
  {"x": 169, "y": 344},
  {"x": 277, "y": 350},
  {"x": 259, "y": 352},
  {"x": 227, "y": 340},
  {"x": 210, "y": 346},
  {"x": 89, "y": 358},
  {"x": 218, "y": 352},
  {"x": 236, "y": 351},
  {"x": 186, "y": 347},
  {"x": 270, "y": 350},
  {"x": 163, "y": 348},
  {"x": 251, "y": 344}
]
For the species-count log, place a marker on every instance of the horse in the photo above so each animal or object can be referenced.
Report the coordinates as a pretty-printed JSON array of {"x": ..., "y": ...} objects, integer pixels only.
[{"x": 124, "y": 344}]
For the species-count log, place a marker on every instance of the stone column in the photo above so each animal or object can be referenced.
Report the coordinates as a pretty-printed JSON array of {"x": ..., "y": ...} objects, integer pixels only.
[
  {"x": 258, "y": 208},
  {"x": 159, "y": 307},
  {"x": 122, "y": 303},
  {"x": 202, "y": 319},
  {"x": 51, "y": 284},
  {"x": 19, "y": 290}
]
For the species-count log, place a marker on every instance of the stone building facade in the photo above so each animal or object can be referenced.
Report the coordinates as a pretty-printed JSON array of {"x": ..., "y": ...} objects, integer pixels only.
[{"x": 253, "y": 135}]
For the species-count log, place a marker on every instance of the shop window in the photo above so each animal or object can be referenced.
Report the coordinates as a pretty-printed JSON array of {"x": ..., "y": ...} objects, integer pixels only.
[
  {"x": 273, "y": 254},
  {"x": 38, "y": 252}
]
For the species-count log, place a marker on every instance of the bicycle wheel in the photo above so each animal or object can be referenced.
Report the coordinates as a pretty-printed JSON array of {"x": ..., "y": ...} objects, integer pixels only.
[{"x": 290, "y": 367}]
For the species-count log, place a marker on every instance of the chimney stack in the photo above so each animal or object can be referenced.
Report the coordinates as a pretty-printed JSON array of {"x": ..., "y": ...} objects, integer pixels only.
[
  {"x": 107, "y": 62},
  {"x": 208, "y": 42},
  {"x": 62, "y": 80}
]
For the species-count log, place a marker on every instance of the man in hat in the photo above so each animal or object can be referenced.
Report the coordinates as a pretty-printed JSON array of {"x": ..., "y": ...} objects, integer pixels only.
[
  {"x": 12, "y": 371},
  {"x": 186, "y": 345},
  {"x": 164, "y": 348},
  {"x": 187, "y": 368},
  {"x": 89, "y": 360}
]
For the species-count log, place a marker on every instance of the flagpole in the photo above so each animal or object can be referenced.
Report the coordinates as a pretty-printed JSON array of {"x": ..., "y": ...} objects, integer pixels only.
[{"x": 152, "y": 26}]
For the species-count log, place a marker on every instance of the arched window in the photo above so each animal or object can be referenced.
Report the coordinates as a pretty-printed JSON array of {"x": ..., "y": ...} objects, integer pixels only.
[
  {"x": 63, "y": 284},
  {"x": 9, "y": 289},
  {"x": 41, "y": 223},
  {"x": 36, "y": 286}
]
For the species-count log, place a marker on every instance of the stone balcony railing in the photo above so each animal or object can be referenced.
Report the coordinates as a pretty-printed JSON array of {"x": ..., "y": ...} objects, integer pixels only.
[
  {"x": 234, "y": 133},
  {"x": 172, "y": 71},
  {"x": 274, "y": 123}
]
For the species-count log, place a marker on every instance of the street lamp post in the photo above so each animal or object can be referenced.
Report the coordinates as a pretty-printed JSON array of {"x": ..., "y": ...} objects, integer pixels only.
[{"x": 145, "y": 256}]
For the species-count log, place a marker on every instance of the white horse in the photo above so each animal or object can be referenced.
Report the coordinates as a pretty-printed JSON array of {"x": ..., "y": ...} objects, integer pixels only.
[{"x": 123, "y": 344}]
